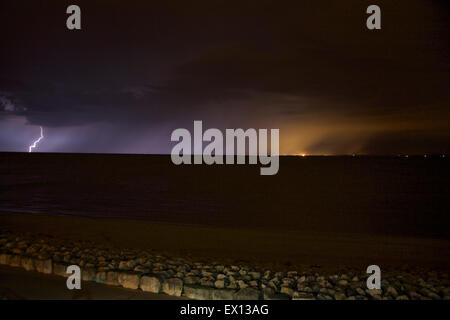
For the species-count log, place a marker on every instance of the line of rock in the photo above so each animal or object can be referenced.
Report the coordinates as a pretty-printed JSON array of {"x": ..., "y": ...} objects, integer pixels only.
[{"x": 135, "y": 269}]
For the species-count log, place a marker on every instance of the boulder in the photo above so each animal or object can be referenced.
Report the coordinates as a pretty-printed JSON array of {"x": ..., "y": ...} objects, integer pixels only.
[
  {"x": 129, "y": 280},
  {"x": 88, "y": 274},
  {"x": 223, "y": 294},
  {"x": 44, "y": 266},
  {"x": 112, "y": 278},
  {"x": 220, "y": 284},
  {"x": 5, "y": 258},
  {"x": 15, "y": 261},
  {"x": 302, "y": 296},
  {"x": 247, "y": 294},
  {"x": 172, "y": 286},
  {"x": 59, "y": 269},
  {"x": 150, "y": 284},
  {"x": 28, "y": 263},
  {"x": 198, "y": 292},
  {"x": 100, "y": 277},
  {"x": 340, "y": 296}
]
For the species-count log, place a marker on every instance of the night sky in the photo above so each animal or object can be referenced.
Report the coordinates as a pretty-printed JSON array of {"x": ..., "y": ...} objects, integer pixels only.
[{"x": 139, "y": 69}]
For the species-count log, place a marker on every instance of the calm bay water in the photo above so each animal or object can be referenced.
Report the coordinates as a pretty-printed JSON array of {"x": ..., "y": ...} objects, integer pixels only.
[{"x": 379, "y": 195}]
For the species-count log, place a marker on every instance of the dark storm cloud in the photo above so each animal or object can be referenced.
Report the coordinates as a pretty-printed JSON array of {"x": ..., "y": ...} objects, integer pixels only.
[{"x": 137, "y": 66}]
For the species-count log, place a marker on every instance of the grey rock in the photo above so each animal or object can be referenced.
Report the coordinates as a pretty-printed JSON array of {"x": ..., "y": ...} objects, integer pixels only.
[
  {"x": 150, "y": 284},
  {"x": 340, "y": 296},
  {"x": 59, "y": 269},
  {"x": 128, "y": 280},
  {"x": 255, "y": 275},
  {"x": 173, "y": 287},
  {"x": 191, "y": 280},
  {"x": 247, "y": 294},
  {"x": 198, "y": 292},
  {"x": 322, "y": 296},
  {"x": 220, "y": 284},
  {"x": 15, "y": 261},
  {"x": 112, "y": 278},
  {"x": 88, "y": 274},
  {"x": 5, "y": 258},
  {"x": 100, "y": 277},
  {"x": 288, "y": 291},
  {"x": 391, "y": 292},
  {"x": 44, "y": 266},
  {"x": 223, "y": 294},
  {"x": 302, "y": 296},
  {"x": 27, "y": 263}
]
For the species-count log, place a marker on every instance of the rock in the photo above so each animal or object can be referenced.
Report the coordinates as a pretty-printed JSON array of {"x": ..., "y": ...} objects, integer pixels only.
[
  {"x": 302, "y": 296},
  {"x": 292, "y": 274},
  {"x": 414, "y": 295},
  {"x": 198, "y": 292},
  {"x": 59, "y": 269},
  {"x": 220, "y": 268},
  {"x": 390, "y": 291},
  {"x": 287, "y": 282},
  {"x": 44, "y": 266},
  {"x": 255, "y": 275},
  {"x": 150, "y": 284},
  {"x": 141, "y": 269},
  {"x": 403, "y": 297},
  {"x": 254, "y": 283},
  {"x": 17, "y": 251},
  {"x": 191, "y": 280},
  {"x": 123, "y": 265},
  {"x": 287, "y": 290},
  {"x": 223, "y": 294},
  {"x": 268, "y": 292},
  {"x": 322, "y": 296},
  {"x": 342, "y": 283},
  {"x": 220, "y": 284},
  {"x": 434, "y": 296},
  {"x": 242, "y": 284},
  {"x": 15, "y": 261},
  {"x": 5, "y": 258},
  {"x": 132, "y": 263},
  {"x": 88, "y": 274},
  {"x": 374, "y": 293},
  {"x": 100, "y": 277},
  {"x": 173, "y": 287},
  {"x": 206, "y": 282},
  {"x": 206, "y": 273},
  {"x": 112, "y": 278},
  {"x": 232, "y": 285},
  {"x": 340, "y": 296},
  {"x": 360, "y": 291},
  {"x": 247, "y": 294},
  {"x": 128, "y": 280},
  {"x": 27, "y": 263},
  {"x": 221, "y": 276},
  {"x": 303, "y": 288}
]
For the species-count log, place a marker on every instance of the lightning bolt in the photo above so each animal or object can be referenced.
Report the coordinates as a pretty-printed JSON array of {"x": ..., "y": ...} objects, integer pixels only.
[{"x": 37, "y": 141}]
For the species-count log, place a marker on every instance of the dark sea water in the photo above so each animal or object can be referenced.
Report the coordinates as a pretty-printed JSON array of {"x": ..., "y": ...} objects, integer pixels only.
[{"x": 372, "y": 195}]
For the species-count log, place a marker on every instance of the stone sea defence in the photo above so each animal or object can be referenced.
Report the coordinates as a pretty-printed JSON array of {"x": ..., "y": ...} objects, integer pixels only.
[{"x": 177, "y": 276}]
